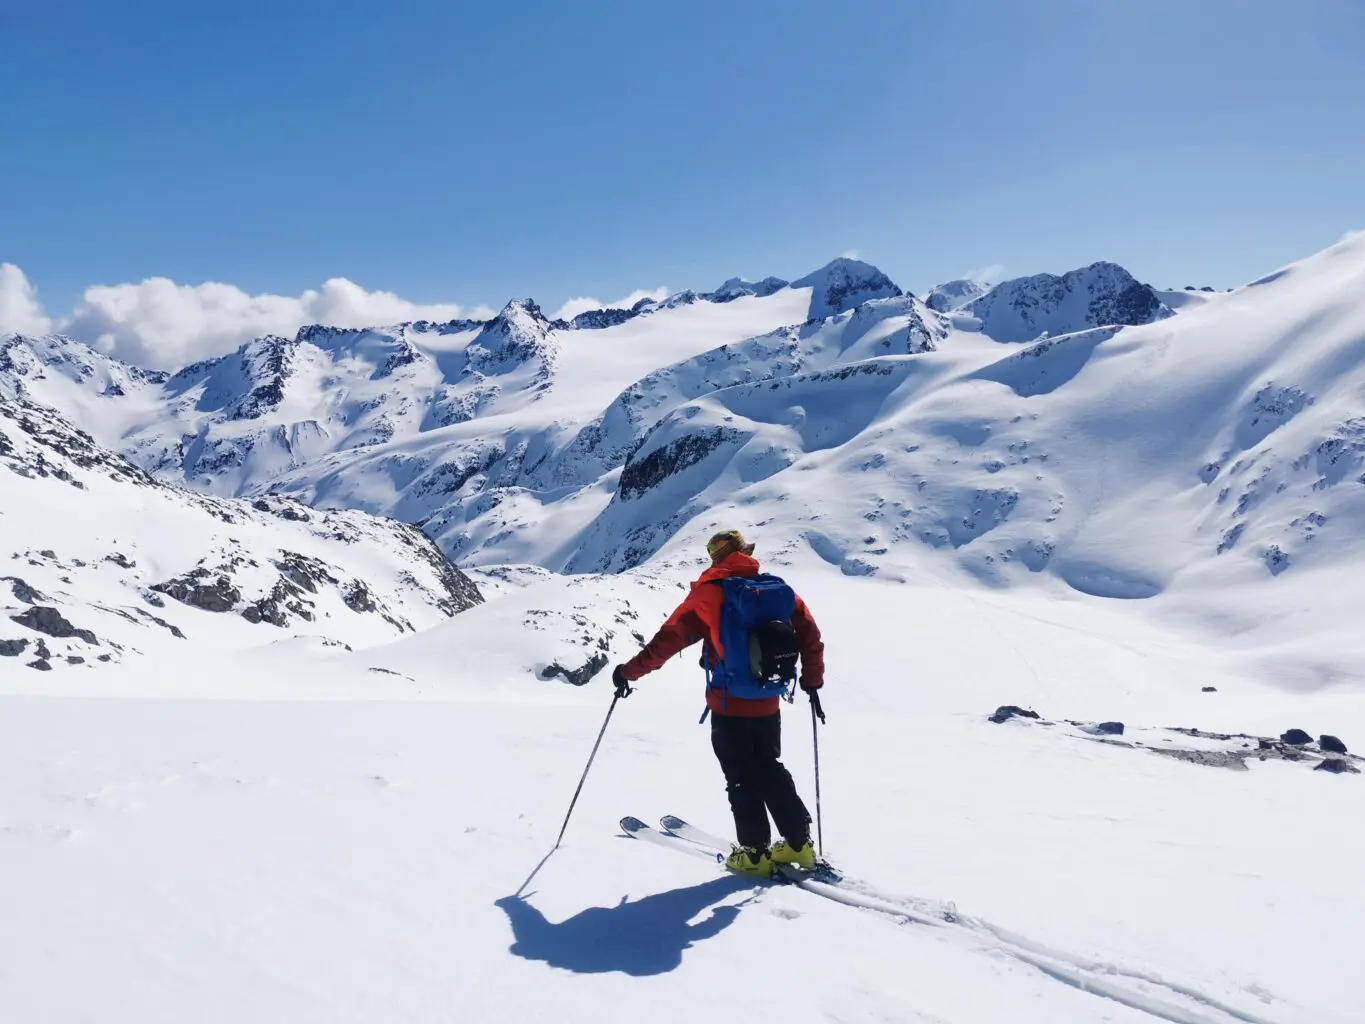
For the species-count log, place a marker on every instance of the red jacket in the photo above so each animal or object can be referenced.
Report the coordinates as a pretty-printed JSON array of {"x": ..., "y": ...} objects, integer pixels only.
[{"x": 698, "y": 618}]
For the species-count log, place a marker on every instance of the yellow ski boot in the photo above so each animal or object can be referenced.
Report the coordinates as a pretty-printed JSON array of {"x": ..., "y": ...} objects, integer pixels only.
[
  {"x": 784, "y": 853},
  {"x": 743, "y": 861}
]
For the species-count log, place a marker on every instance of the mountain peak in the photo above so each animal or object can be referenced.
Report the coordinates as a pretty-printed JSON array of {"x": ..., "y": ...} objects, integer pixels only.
[
  {"x": 953, "y": 295},
  {"x": 844, "y": 283},
  {"x": 1101, "y": 294}
]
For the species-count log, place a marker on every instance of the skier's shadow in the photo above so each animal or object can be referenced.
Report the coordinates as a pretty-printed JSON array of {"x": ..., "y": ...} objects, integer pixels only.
[{"x": 636, "y": 937}]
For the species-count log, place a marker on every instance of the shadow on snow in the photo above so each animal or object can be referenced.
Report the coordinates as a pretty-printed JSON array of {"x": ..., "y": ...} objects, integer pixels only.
[{"x": 641, "y": 937}]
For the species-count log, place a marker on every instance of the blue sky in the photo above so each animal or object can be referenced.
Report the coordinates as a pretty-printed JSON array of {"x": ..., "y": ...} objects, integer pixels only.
[{"x": 462, "y": 152}]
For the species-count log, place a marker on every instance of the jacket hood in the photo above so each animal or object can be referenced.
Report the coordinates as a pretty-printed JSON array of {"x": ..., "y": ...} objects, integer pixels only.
[{"x": 737, "y": 563}]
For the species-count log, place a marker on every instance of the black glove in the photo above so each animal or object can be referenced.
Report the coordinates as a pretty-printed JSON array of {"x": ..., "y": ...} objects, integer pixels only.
[
  {"x": 813, "y": 692},
  {"x": 623, "y": 688}
]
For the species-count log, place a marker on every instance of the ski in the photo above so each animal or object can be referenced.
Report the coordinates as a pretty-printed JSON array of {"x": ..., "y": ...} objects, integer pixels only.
[
  {"x": 676, "y": 826},
  {"x": 637, "y": 829},
  {"x": 824, "y": 880}
]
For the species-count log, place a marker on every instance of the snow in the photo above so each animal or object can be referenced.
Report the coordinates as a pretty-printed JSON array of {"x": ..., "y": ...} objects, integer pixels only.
[
  {"x": 336, "y": 844},
  {"x": 349, "y": 816}
]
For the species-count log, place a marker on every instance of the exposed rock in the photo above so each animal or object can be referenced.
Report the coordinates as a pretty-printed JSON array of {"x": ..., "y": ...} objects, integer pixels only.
[
  {"x": 1331, "y": 744},
  {"x": 42, "y": 665},
  {"x": 1236, "y": 760},
  {"x": 1337, "y": 766},
  {"x": 641, "y": 475},
  {"x": 1007, "y": 711},
  {"x": 121, "y": 560},
  {"x": 1295, "y": 737},
  {"x": 22, "y": 591},
  {"x": 200, "y": 589},
  {"x": 577, "y": 676},
  {"x": 358, "y": 597},
  {"x": 44, "y": 619},
  {"x": 74, "y": 659},
  {"x": 12, "y": 648},
  {"x": 1109, "y": 729},
  {"x": 1209, "y": 689}
]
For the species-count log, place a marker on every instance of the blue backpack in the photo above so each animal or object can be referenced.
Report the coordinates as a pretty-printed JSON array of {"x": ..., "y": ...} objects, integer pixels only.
[{"x": 756, "y": 632}]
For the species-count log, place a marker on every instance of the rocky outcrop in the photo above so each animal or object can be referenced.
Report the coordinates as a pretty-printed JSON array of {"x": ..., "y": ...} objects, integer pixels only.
[{"x": 49, "y": 621}]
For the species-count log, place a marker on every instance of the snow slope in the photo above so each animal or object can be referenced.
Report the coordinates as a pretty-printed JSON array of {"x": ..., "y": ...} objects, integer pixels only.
[
  {"x": 195, "y": 858},
  {"x": 103, "y": 562}
]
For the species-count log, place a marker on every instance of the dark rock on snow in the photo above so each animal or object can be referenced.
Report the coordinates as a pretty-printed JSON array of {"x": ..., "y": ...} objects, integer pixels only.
[
  {"x": 1296, "y": 737},
  {"x": 1331, "y": 744},
  {"x": 12, "y": 648},
  {"x": 1209, "y": 689},
  {"x": 199, "y": 590},
  {"x": 1007, "y": 711},
  {"x": 1337, "y": 766},
  {"x": 577, "y": 676},
  {"x": 1110, "y": 728},
  {"x": 42, "y": 665},
  {"x": 43, "y": 619},
  {"x": 22, "y": 591}
]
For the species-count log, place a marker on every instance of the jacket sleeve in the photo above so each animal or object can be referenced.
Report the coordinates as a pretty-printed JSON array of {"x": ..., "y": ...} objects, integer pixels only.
[
  {"x": 812, "y": 647},
  {"x": 682, "y": 629}
]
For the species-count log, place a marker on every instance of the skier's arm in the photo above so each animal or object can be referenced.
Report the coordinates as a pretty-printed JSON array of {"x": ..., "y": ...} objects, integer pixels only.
[
  {"x": 682, "y": 629},
  {"x": 812, "y": 647}
]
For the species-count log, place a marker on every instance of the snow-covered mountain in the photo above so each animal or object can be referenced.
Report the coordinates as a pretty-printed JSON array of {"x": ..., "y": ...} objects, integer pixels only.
[
  {"x": 1094, "y": 296},
  {"x": 1148, "y": 535},
  {"x": 104, "y": 561},
  {"x": 836, "y": 414},
  {"x": 953, "y": 295}
]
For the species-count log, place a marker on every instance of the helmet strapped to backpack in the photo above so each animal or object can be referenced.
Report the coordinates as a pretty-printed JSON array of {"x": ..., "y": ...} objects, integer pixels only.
[{"x": 759, "y": 648}]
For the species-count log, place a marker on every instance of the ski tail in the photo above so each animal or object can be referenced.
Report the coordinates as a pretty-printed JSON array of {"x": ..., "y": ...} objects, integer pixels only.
[
  {"x": 675, "y": 826},
  {"x": 637, "y": 829}
]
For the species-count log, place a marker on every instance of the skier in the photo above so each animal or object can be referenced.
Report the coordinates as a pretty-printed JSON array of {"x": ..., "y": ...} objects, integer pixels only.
[{"x": 746, "y": 724}]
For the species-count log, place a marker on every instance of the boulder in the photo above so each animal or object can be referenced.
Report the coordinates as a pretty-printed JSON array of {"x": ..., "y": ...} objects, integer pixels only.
[
  {"x": 12, "y": 648},
  {"x": 1295, "y": 737},
  {"x": 1336, "y": 765},
  {"x": 1331, "y": 744}
]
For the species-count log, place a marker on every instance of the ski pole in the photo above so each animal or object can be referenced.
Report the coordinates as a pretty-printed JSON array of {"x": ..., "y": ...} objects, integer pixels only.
[
  {"x": 816, "y": 711},
  {"x": 584, "y": 777}
]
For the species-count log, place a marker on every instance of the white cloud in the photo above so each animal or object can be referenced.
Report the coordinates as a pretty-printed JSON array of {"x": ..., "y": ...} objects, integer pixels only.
[
  {"x": 991, "y": 273},
  {"x": 164, "y": 325},
  {"x": 575, "y": 306},
  {"x": 20, "y": 311},
  {"x": 851, "y": 254}
]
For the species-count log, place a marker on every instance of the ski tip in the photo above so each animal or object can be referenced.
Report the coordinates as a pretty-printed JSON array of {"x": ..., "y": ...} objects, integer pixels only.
[
  {"x": 671, "y": 821},
  {"x": 630, "y": 825}
]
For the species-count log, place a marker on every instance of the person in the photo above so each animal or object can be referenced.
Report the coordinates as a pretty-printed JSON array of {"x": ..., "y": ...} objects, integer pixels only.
[{"x": 746, "y": 733}]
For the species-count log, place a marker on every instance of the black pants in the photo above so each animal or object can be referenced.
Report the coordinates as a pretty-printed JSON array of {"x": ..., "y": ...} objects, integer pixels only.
[{"x": 757, "y": 782}]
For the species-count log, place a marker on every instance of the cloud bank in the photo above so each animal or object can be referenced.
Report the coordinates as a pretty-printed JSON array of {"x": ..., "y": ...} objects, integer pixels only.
[
  {"x": 163, "y": 325},
  {"x": 19, "y": 308},
  {"x": 585, "y": 303}
]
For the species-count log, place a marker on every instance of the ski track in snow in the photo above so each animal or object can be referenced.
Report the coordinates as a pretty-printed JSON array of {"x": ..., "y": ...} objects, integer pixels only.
[{"x": 1078, "y": 972}]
